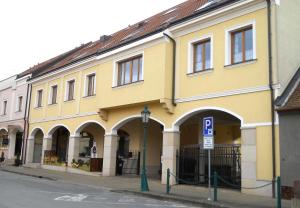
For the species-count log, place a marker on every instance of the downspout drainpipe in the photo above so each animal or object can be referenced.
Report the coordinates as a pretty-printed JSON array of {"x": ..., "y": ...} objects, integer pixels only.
[
  {"x": 174, "y": 67},
  {"x": 272, "y": 95},
  {"x": 26, "y": 123}
]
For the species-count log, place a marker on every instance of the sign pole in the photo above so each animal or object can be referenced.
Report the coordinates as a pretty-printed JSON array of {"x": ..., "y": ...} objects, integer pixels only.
[
  {"x": 209, "y": 174},
  {"x": 208, "y": 143}
]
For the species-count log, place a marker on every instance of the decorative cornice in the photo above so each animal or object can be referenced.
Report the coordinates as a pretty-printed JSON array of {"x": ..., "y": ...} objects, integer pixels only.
[
  {"x": 224, "y": 93},
  {"x": 63, "y": 117}
]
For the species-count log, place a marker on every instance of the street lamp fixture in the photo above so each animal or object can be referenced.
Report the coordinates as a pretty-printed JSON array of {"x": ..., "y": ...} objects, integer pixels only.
[{"x": 145, "y": 119}]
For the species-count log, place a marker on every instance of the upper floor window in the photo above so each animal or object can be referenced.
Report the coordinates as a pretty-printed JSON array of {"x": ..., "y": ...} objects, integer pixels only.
[
  {"x": 39, "y": 99},
  {"x": 53, "y": 95},
  {"x": 70, "y": 90},
  {"x": 130, "y": 70},
  {"x": 4, "y": 112},
  {"x": 242, "y": 45},
  {"x": 202, "y": 55},
  {"x": 19, "y": 104},
  {"x": 90, "y": 85}
]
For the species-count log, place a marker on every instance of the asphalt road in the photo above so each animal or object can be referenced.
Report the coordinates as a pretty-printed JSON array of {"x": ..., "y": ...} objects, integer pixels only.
[{"x": 18, "y": 191}]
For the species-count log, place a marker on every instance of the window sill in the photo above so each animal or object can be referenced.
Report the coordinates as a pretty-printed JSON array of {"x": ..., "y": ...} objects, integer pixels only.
[
  {"x": 252, "y": 61},
  {"x": 89, "y": 96},
  {"x": 69, "y": 101},
  {"x": 52, "y": 104},
  {"x": 38, "y": 108},
  {"x": 129, "y": 84},
  {"x": 206, "y": 71},
  {"x": 19, "y": 111}
]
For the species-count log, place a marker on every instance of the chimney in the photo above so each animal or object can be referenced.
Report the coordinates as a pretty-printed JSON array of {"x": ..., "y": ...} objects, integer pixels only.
[{"x": 104, "y": 38}]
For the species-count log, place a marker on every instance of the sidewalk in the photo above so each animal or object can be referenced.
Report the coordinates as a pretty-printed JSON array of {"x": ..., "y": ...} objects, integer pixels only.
[{"x": 130, "y": 185}]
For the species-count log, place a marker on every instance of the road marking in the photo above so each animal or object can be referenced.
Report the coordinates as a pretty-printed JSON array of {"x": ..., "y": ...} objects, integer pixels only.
[
  {"x": 74, "y": 198},
  {"x": 127, "y": 200},
  {"x": 178, "y": 205}
]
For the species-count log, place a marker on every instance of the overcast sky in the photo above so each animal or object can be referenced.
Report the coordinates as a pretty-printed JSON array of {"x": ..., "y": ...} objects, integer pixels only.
[{"x": 33, "y": 31}]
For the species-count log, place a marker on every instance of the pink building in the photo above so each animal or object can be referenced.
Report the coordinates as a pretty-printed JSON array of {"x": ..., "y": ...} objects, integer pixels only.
[{"x": 13, "y": 104}]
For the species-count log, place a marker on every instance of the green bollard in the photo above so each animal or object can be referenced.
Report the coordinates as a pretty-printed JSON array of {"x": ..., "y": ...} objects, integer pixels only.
[
  {"x": 215, "y": 186},
  {"x": 278, "y": 192},
  {"x": 168, "y": 181}
]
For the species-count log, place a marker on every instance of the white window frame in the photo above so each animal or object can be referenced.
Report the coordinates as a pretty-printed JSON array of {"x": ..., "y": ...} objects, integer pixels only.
[
  {"x": 85, "y": 91},
  {"x": 17, "y": 104},
  {"x": 120, "y": 59},
  {"x": 228, "y": 32},
  {"x": 2, "y": 109},
  {"x": 51, "y": 94},
  {"x": 37, "y": 98},
  {"x": 67, "y": 89},
  {"x": 190, "y": 67}
]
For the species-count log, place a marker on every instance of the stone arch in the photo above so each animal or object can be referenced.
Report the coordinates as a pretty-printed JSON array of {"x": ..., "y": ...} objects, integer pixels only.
[
  {"x": 189, "y": 114},
  {"x": 85, "y": 124},
  {"x": 54, "y": 128},
  {"x": 120, "y": 123},
  {"x": 34, "y": 131}
]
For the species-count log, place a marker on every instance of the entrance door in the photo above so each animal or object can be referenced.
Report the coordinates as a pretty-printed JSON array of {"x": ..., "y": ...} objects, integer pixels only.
[
  {"x": 18, "y": 145},
  {"x": 37, "y": 154}
]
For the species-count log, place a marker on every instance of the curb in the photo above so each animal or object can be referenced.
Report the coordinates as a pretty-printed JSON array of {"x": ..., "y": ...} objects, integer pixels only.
[
  {"x": 30, "y": 175},
  {"x": 174, "y": 198}
]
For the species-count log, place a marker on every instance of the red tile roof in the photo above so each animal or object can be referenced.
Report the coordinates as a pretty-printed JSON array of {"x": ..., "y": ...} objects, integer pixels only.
[
  {"x": 46, "y": 65},
  {"x": 137, "y": 31},
  {"x": 293, "y": 102}
]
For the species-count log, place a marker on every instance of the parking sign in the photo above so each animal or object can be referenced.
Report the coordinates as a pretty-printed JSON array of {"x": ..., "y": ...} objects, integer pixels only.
[
  {"x": 208, "y": 127},
  {"x": 208, "y": 133}
]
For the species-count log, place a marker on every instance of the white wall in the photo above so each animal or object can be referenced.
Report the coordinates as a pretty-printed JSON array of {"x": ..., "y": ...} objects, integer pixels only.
[{"x": 288, "y": 40}]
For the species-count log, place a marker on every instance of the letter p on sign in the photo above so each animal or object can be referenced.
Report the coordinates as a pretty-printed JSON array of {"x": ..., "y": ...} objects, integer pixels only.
[{"x": 208, "y": 127}]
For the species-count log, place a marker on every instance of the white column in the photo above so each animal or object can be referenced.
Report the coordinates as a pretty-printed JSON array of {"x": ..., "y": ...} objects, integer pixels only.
[
  {"x": 12, "y": 144},
  {"x": 30, "y": 150},
  {"x": 73, "y": 151},
  {"x": 47, "y": 145},
  {"x": 110, "y": 154},
  {"x": 171, "y": 144}
]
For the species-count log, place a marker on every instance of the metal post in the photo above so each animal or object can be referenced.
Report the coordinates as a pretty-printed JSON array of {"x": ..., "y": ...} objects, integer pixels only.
[
  {"x": 168, "y": 181},
  {"x": 144, "y": 181},
  {"x": 209, "y": 174},
  {"x": 278, "y": 192},
  {"x": 215, "y": 186}
]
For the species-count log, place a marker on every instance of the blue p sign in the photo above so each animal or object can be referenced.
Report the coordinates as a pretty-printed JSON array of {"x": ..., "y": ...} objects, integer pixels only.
[{"x": 208, "y": 127}]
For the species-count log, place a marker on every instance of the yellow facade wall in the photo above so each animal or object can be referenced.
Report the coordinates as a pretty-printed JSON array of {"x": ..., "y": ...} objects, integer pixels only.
[
  {"x": 126, "y": 101},
  {"x": 264, "y": 153},
  {"x": 223, "y": 78}
]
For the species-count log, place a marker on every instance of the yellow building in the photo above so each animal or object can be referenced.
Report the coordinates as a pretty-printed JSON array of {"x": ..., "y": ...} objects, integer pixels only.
[{"x": 197, "y": 59}]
